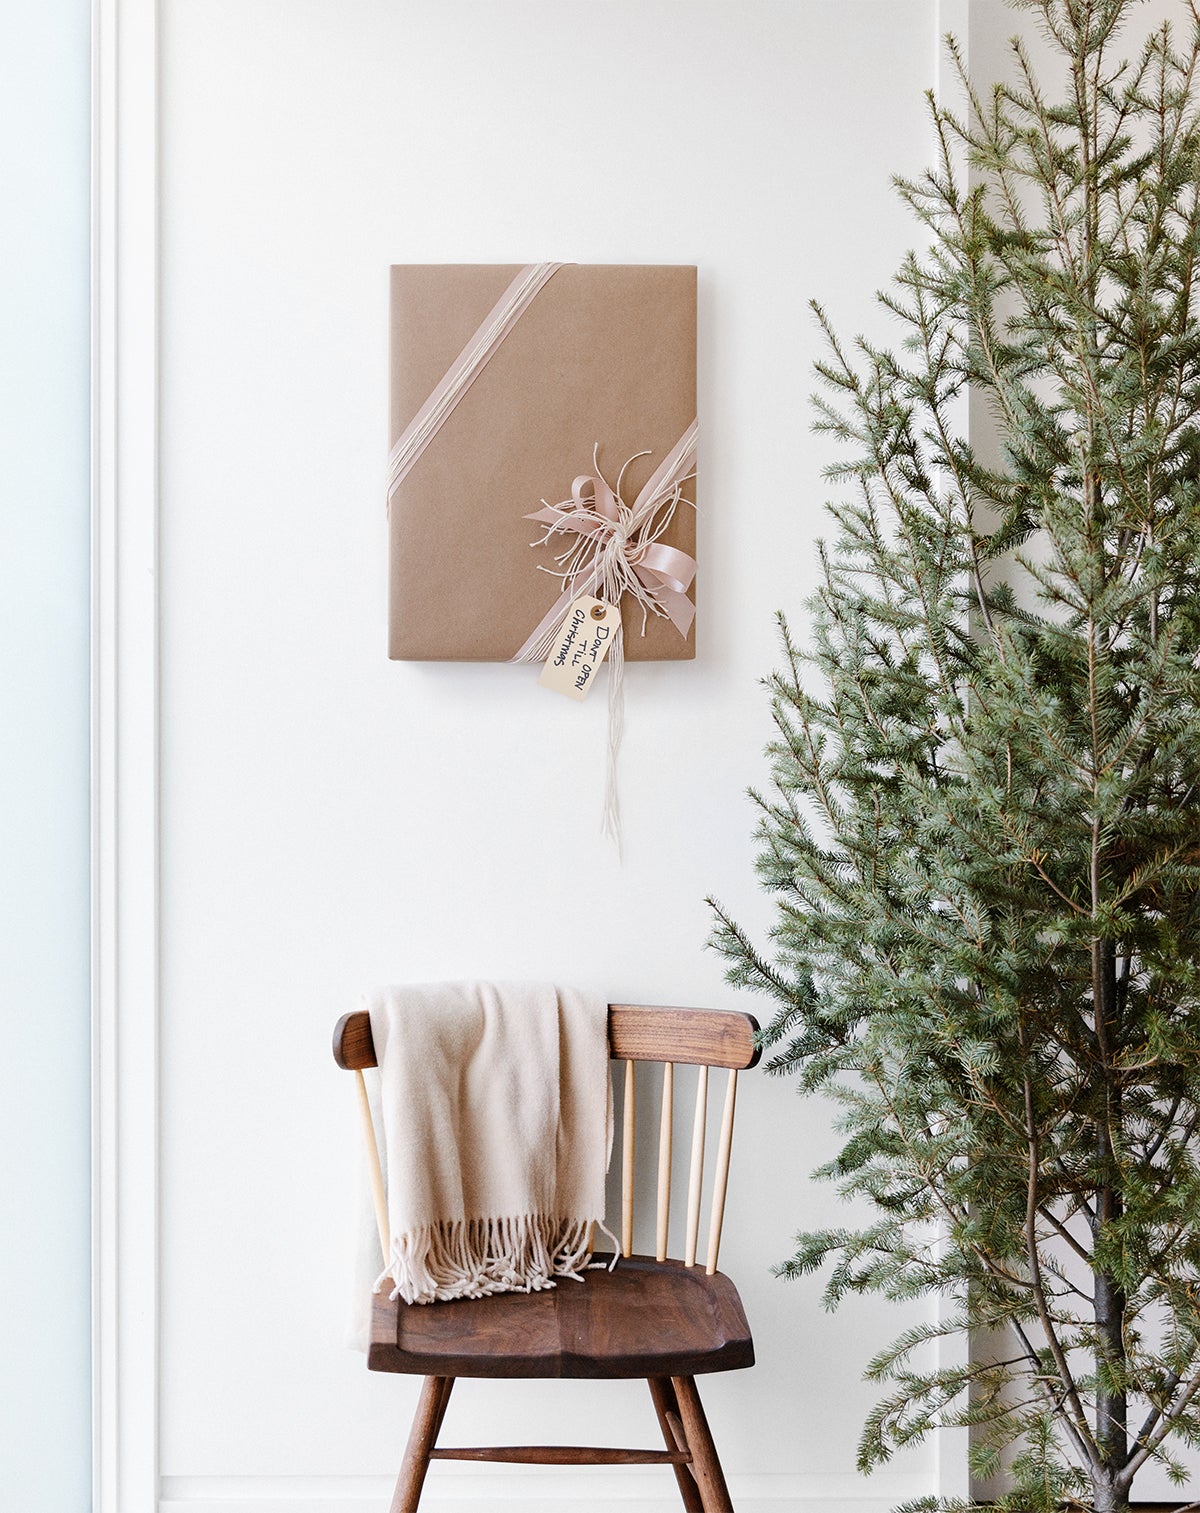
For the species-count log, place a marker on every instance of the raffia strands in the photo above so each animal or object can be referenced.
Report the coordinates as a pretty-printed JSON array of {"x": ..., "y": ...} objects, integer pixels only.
[
  {"x": 611, "y": 820},
  {"x": 614, "y": 552},
  {"x": 614, "y": 549}
]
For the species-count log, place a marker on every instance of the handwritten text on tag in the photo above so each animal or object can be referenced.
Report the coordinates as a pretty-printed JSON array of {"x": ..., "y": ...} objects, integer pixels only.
[{"x": 580, "y": 646}]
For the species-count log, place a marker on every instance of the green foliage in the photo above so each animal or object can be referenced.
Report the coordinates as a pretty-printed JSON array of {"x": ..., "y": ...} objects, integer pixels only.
[{"x": 982, "y": 830}]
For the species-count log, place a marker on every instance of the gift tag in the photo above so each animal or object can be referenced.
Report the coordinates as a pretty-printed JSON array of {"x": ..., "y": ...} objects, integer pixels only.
[{"x": 581, "y": 645}]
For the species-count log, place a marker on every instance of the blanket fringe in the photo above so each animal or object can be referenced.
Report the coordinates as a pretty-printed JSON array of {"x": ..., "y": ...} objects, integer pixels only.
[{"x": 474, "y": 1258}]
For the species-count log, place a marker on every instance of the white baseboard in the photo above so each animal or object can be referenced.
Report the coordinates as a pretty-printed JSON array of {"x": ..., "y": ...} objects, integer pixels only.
[{"x": 574, "y": 1491}]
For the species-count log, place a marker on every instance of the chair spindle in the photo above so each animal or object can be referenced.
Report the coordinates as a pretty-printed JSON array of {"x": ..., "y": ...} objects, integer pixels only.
[
  {"x": 721, "y": 1178},
  {"x": 374, "y": 1166},
  {"x": 664, "y": 1160},
  {"x": 627, "y": 1166},
  {"x": 696, "y": 1171}
]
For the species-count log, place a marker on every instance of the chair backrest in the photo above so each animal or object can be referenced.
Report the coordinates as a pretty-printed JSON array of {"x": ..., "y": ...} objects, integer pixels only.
[{"x": 705, "y": 1038}]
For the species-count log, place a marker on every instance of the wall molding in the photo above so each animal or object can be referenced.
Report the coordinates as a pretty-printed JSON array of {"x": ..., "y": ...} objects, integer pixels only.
[
  {"x": 124, "y": 756},
  {"x": 582, "y": 1490}
]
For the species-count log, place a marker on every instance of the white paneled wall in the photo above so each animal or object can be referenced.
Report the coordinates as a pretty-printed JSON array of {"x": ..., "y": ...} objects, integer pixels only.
[{"x": 330, "y": 819}]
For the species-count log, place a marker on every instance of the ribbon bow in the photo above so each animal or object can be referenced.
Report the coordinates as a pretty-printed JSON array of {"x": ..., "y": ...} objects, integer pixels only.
[{"x": 618, "y": 550}]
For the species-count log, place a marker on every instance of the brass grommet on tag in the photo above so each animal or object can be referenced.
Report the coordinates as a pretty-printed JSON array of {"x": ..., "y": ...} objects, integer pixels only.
[{"x": 599, "y": 611}]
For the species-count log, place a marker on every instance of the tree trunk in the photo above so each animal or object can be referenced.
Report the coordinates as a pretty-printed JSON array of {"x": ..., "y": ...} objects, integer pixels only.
[
  {"x": 1109, "y": 1301},
  {"x": 1107, "y": 1497},
  {"x": 1112, "y": 1408}
]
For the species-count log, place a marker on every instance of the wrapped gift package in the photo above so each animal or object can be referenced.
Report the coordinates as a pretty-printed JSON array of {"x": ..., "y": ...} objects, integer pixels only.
[{"x": 521, "y": 392}]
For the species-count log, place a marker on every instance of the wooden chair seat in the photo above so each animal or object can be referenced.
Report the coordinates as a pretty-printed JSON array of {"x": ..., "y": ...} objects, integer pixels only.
[{"x": 646, "y": 1318}]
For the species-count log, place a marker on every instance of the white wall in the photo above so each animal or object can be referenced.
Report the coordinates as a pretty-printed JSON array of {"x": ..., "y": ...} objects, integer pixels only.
[
  {"x": 44, "y": 1120},
  {"x": 331, "y": 819}
]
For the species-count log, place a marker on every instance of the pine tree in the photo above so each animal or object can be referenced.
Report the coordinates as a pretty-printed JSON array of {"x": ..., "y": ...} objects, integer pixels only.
[{"x": 982, "y": 831}]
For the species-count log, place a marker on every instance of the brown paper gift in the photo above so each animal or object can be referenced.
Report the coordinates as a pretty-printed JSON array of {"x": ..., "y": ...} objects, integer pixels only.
[{"x": 600, "y": 357}]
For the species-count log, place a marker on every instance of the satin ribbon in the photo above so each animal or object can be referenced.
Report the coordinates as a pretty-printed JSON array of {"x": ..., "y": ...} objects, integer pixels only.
[
  {"x": 618, "y": 544},
  {"x": 595, "y": 511}
]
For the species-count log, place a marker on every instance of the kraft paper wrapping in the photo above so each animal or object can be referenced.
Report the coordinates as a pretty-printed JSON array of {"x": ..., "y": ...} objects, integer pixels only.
[{"x": 604, "y": 354}]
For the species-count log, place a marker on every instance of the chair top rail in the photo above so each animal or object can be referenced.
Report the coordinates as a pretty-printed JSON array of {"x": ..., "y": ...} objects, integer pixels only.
[
  {"x": 700, "y": 1037},
  {"x": 636, "y": 1032}
]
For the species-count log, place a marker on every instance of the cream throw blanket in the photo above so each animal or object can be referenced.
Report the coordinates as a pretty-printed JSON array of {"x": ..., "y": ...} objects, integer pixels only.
[{"x": 494, "y": 1112}]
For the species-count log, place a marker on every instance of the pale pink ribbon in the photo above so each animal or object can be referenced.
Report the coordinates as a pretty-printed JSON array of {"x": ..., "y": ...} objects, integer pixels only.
[
  {"x": 466, "y": 368},
  {"x": 619, "y": 543}
]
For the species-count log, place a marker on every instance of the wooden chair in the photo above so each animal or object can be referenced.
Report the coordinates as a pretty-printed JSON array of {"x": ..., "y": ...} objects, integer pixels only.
[{"x": 668, "y": 1321}]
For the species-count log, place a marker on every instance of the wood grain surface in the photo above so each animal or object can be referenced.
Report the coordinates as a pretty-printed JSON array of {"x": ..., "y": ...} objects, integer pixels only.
[
  {"x": 647, "y": 1318},
  {"x": 636, "y": 1032}
]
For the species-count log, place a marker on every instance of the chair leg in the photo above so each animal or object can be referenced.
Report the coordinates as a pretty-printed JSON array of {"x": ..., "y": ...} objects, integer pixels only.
[
  {"x": 667, "y": 1407},
  {"x": 447, "y": 1385},
  {"x": 714, "y": 1495},
  {"x": 427, "y": 1421}
]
